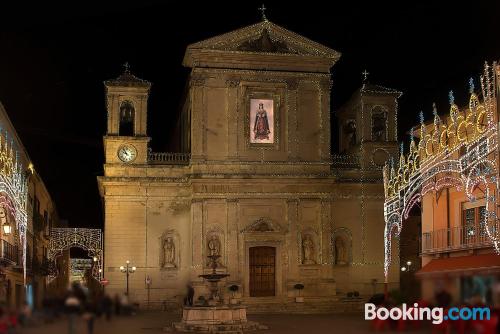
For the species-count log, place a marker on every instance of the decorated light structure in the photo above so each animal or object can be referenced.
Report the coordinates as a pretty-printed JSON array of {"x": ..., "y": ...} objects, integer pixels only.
[
  {"x": 461, "y": 152},
  {"x": 13, "y": 191}
]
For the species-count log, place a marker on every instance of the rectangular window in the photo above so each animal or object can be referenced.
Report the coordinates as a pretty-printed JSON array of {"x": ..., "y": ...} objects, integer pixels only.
[{"x": 472, "y": 227}]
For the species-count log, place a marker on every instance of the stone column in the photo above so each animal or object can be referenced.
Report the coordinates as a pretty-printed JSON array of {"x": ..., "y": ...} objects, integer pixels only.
[
  {"x": 325, "y": 87},
  {"x": 291, "y": 239},
  {"x": 326, "y": 232},
  {"x": 197, "y": 239},
  {"x": 232, "y": 117},
  {"x": 232, "y": 239},
  {"x": 293, "y": 144},
  {"x": 197, "y": 118}
]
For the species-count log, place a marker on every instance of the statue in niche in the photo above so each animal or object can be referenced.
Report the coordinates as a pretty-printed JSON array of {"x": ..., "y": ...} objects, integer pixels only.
[
  {"x": 169, "y": 253},
  {"x": 214, "y": 247},
  {"x": 340, "y": 251},
  {"x": 308, "y": 250}
]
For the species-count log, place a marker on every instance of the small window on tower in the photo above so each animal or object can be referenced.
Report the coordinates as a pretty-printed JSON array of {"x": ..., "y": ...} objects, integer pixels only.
[
  {"x": 127, "y": 114},
  {"x": 379, "y": 124}
]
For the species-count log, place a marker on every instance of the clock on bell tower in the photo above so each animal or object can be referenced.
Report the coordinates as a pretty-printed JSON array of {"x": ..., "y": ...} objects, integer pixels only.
[{"x": 126, "y": 140}]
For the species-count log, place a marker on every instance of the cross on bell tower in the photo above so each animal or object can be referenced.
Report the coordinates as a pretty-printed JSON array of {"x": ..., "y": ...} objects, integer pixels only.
[
  {"x": 365, "y": 74},
  {"x": 263, "y": 12}
]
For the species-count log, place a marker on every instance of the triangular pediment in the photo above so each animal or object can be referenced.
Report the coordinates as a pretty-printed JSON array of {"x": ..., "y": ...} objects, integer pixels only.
[
  {"x": 263, "y": 224},
  {"x": 266, "y": 38}
]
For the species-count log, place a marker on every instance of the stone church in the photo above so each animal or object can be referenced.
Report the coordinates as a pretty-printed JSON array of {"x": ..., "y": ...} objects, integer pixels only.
[{"x": 255, "y": 180}]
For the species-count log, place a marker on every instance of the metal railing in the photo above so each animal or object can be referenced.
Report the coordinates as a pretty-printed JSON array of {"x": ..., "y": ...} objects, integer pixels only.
[
  {"x": 345, "y": 161},
  {"x": 10, "y": 252},
  {"x": 169, "y": 158},
  {"x": 455, "y": 238}
]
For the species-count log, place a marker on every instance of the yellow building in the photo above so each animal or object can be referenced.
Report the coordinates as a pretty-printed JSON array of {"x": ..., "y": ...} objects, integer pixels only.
[
  {"x": 254, "y": 181},
  {"x": 26, "y": 214}
]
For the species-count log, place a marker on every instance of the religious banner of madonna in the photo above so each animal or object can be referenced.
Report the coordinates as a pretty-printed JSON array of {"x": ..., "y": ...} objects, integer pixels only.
[{"x": 261, "y": 121}]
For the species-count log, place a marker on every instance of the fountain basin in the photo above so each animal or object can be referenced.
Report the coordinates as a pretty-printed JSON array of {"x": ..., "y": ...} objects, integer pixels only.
[{"x": 215, "y": 319}]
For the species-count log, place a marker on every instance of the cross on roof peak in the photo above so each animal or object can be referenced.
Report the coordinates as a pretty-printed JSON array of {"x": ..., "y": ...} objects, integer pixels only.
[{"x": 126, "y": 67}]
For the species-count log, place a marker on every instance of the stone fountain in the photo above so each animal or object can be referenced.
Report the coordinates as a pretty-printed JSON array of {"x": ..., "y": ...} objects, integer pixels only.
[
  {"x": 217, "y": 317},
  {"x": 213, "y": 280}
]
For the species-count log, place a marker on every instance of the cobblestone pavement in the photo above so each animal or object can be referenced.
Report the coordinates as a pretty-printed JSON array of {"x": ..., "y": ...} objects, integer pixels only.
[{"x": 154, "y": 322}]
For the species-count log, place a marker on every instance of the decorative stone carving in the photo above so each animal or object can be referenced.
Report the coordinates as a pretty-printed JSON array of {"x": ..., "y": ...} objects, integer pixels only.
[
  {"x": 308, "y": 251},
  {"x": 197, "y": 80},
  {"x": 292, "y": 84},
  {"x": 232, "y": 83},
  {"x": 264, "y": 43},
  {"x": 169, "y": 250},
  {"x": 179, "y": 207},
  {"x": 326, "y": 85}
]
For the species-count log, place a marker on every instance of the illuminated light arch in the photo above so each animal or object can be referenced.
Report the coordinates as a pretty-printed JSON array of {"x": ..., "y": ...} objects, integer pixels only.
[
  {"x": 88, "y": 239},
  {"x": 462, "y": 153}
]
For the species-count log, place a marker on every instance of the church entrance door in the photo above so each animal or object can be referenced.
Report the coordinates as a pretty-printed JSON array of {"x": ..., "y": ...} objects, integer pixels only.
[{"x": 262, "y": 271}]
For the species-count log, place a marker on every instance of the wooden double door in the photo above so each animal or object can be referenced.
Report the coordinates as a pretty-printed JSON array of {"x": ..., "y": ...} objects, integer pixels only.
[{"x": 262, "y": 271}]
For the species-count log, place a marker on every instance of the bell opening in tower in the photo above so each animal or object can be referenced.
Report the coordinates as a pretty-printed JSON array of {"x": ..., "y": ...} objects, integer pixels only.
[{"x": 127, "y": 115}]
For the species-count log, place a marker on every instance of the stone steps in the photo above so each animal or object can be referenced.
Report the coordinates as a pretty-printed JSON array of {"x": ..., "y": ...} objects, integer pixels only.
[{"x": 309, "y": 306}]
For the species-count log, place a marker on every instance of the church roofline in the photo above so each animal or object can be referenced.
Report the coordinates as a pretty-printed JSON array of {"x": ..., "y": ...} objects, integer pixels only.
[{"x": 288, "y": 43}]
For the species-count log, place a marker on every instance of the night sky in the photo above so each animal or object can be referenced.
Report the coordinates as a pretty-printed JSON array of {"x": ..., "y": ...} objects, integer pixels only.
[{"x": 53, "y": 61}]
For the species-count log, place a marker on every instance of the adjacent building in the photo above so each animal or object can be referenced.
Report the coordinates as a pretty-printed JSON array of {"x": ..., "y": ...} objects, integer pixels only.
[{"x": 26, "y": 213}]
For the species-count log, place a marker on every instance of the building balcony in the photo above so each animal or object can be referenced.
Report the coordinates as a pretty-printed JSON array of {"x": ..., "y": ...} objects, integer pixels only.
[
  {"x": 9, "y": 253},
  {"x": 455, "y": 239},
  {"x": 168, "y": 158}
]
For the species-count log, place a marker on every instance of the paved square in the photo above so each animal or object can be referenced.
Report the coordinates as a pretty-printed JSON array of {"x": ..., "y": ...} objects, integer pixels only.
[{"x": 153, "y": 323}]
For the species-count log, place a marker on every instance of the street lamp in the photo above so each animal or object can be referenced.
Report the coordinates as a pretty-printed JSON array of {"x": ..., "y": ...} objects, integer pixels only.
[
  {"x": 7, "y": 228},
  {"x": 127, "y": 271},
  {"x": 408, "y": 266}
]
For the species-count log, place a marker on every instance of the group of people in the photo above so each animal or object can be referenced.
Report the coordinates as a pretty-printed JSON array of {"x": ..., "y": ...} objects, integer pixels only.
[
  {"x": 78, "y": 303},
  {"x": 12, "y": 319}
]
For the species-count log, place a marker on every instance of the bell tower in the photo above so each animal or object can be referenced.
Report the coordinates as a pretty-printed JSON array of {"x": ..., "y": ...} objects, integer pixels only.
[
  {"x": 368, "y": 124},
  {"x": 126, "y": 139}
]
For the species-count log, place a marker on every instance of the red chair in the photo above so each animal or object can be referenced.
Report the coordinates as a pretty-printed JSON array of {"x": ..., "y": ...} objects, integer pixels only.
[
  {"x": 379, "y": 325},
  {"x": 443, "y": 327},
  {"x": 486, "y": 326}
]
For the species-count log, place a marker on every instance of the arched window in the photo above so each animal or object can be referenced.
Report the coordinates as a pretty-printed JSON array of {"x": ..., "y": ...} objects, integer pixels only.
[
  {"x": 127, "y": 115},
  {"x": 379, "y": 124}
]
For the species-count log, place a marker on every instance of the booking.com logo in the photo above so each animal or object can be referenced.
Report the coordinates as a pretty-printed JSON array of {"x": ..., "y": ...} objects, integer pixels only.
[{"x": 436, "y": 314}]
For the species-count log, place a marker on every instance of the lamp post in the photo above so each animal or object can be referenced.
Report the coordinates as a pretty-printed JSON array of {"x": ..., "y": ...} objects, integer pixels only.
[{"x": 127, "y": 270}]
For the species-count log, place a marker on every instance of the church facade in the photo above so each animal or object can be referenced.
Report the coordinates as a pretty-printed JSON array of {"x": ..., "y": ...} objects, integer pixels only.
[{"x": 255, "y": 182}]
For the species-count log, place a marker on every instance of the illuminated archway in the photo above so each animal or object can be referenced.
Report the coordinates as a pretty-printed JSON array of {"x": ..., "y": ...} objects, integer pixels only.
[
  {"x": 461, "y": 153},
  {"x": 88, "y": 239}
]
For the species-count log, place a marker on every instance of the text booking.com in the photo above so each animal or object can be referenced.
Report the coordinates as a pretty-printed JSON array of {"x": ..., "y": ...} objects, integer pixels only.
[{"x": 436, "y": 314}]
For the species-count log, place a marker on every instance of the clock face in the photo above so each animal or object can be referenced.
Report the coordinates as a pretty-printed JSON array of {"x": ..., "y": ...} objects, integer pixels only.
[{"x": 127, "y": 153}]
